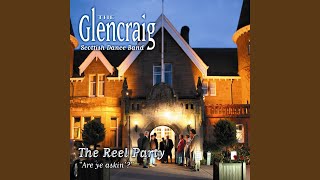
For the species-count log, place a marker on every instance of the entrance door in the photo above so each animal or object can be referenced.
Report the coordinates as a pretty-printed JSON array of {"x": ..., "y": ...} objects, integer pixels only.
[{"x": 162, "y": 132}]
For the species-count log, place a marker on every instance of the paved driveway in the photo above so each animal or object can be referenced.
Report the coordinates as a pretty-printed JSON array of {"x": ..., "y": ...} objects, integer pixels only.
[{"x": 161, "y": 172}]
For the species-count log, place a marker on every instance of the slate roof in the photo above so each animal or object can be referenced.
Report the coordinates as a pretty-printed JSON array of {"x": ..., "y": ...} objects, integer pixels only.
[
  {"x": 114, "y": 57},
  {"x": 221, "y": 61},
  {"x": 245, "y": 14}
]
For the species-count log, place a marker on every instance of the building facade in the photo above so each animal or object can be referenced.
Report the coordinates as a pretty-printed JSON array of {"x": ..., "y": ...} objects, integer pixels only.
[{"x": 124, "y": 90}]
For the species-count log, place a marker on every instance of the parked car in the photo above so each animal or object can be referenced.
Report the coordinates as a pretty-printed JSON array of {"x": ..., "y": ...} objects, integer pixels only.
[{"x": 74, "y": 157}]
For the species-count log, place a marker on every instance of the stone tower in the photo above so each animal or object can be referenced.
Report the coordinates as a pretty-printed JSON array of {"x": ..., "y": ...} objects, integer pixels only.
[
  {"x": 73, "y": 44},
  {"x": 242, "y": 38}
]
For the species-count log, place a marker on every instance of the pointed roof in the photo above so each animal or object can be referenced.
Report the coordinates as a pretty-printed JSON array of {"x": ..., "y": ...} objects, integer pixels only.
[
  {"x": 93, "y": 55},
  {"x": 177, "y": 37},
  {"x": 244, "y": 19},
  {"x": 71, "y": 29},
  {"x": 73, "y": 39}
]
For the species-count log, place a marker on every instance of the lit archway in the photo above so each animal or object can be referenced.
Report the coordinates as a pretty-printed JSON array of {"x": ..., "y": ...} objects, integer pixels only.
[{"x": 162, "y": 132}]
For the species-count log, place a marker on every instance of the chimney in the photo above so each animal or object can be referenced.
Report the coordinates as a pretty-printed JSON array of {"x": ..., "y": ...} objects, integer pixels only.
[{"x": 185, "y": 33}]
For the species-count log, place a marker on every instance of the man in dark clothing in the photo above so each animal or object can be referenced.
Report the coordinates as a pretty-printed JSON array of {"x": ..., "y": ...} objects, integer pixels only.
[
  {"x": 162, "y": 148},
  {"x": 139, "y": 159},
  {"x": 156, "y": 140},
  {"x": 168, "y": 149},
  {"x": 145, "y": 146}
]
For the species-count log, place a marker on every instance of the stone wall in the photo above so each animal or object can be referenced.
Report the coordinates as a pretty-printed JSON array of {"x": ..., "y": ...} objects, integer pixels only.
[{"x": 184, "y": 72}]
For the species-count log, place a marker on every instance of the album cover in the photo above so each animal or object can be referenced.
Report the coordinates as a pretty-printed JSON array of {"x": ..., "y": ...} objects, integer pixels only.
[{"x": 159, "y": 89}]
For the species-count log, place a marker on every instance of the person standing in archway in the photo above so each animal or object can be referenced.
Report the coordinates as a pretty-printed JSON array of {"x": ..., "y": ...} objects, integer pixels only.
[
  {"x": 187, "y": 150},
  {"x": 194, "y": 147},
  {"x": 156, "y": 142},
  {"x": 139, "y": 159},
  {"x": 145, "y": 146},
  {"x": 180, "y": 150},
  {"x": 162, "y": 148},
  {"x": 168, "y": 149}
]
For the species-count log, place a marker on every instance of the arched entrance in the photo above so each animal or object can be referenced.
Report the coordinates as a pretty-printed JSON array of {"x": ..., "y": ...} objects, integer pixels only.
[{"x": 162, "y": 132}]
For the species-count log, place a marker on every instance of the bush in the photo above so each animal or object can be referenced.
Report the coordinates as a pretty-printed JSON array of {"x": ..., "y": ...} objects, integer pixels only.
[
  {"x": 93, "y": 133},
  {"x": 225, "y": 133}
]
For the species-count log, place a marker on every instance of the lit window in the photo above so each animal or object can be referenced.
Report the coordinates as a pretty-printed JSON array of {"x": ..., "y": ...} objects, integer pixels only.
[
  {"x": 113, "y": 132},
  {"x": 101, "y": 85},
  {"x": 113, "y": 138},
  {"x": 86, "y": 119},
  {"x": 113, "y": 123},
  {"x": 213, "y": 88},
  {"x": 92, "y": 87},
  {"x": 240, "y": 133},
  {"x": 97, "y": 118},
  {"x": 76, "y": 128},
  {"x": 167, "y": 74},
  {"x": 205, "y": 88},
  {"x": 97, "y": 85}
]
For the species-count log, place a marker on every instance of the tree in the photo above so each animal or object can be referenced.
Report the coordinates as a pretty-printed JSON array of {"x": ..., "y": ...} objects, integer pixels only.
[
  {"x": 225, "y": 133},
  {"x": 93, "y": 133}
]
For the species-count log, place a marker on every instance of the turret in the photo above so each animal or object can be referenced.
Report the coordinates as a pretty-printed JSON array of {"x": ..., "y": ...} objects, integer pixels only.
[
  {"x": 73, "y": 44},
  {"x": 242, "y": 38}
]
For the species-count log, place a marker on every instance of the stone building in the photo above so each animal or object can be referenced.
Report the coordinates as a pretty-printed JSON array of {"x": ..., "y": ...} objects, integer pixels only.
[{"x": 123, "y": 88}]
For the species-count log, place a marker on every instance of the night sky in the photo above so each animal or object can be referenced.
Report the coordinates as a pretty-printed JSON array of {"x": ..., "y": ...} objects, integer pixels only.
[{"x": 212, "y": 23}]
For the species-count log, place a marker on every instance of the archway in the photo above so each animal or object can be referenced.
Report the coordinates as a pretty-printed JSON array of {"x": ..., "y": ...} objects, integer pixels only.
[{"x": 162, "y": 132}]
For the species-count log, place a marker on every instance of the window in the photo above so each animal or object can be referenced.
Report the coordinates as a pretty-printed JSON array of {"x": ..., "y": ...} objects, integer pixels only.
[
  {"x": 96, "y": 85},
  {"x": 191, "y": 106},
  {"x": 187, "y": 107},
  {"x": 114, "y": 132},
  {"x": 76, "y": 128},
  {"x": 113, "y": 122},
  {"x": 167, "y": 74},
  {"x": 156, "y": 74},
  {"x": 98, "y": 118},
  {"x": 138, "y": 107},
  {"x": 205, "y": 88},
  {"x": 92, "y": 86},
  {"x": 213, "y": 89},
  {"x": 86, "y": 119},
  {"x": 240, "y": 133},
  {"x": 101, "y": 85},
  {"x": 113, "y": 138}
]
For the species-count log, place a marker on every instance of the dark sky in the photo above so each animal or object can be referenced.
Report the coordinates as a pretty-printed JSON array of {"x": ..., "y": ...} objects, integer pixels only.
[{"x": 212, "y": 23}]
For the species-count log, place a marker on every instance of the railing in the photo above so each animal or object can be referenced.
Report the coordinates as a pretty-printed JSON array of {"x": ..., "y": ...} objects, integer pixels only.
[{"x": 228, "y": 110}]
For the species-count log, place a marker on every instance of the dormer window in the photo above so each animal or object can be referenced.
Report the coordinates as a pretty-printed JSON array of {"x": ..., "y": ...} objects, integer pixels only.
[
  {"x": 96, "y": 85},
  {"x": 92, "y": 85}
]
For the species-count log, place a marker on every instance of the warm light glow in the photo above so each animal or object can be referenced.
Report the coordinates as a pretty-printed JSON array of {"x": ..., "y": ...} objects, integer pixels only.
[
  {"x": 189, "y": 122},
  {"x": 127, "y": 93},
  {"x": 135, "y": 122},
  {"x": 168, "y": 114}
]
